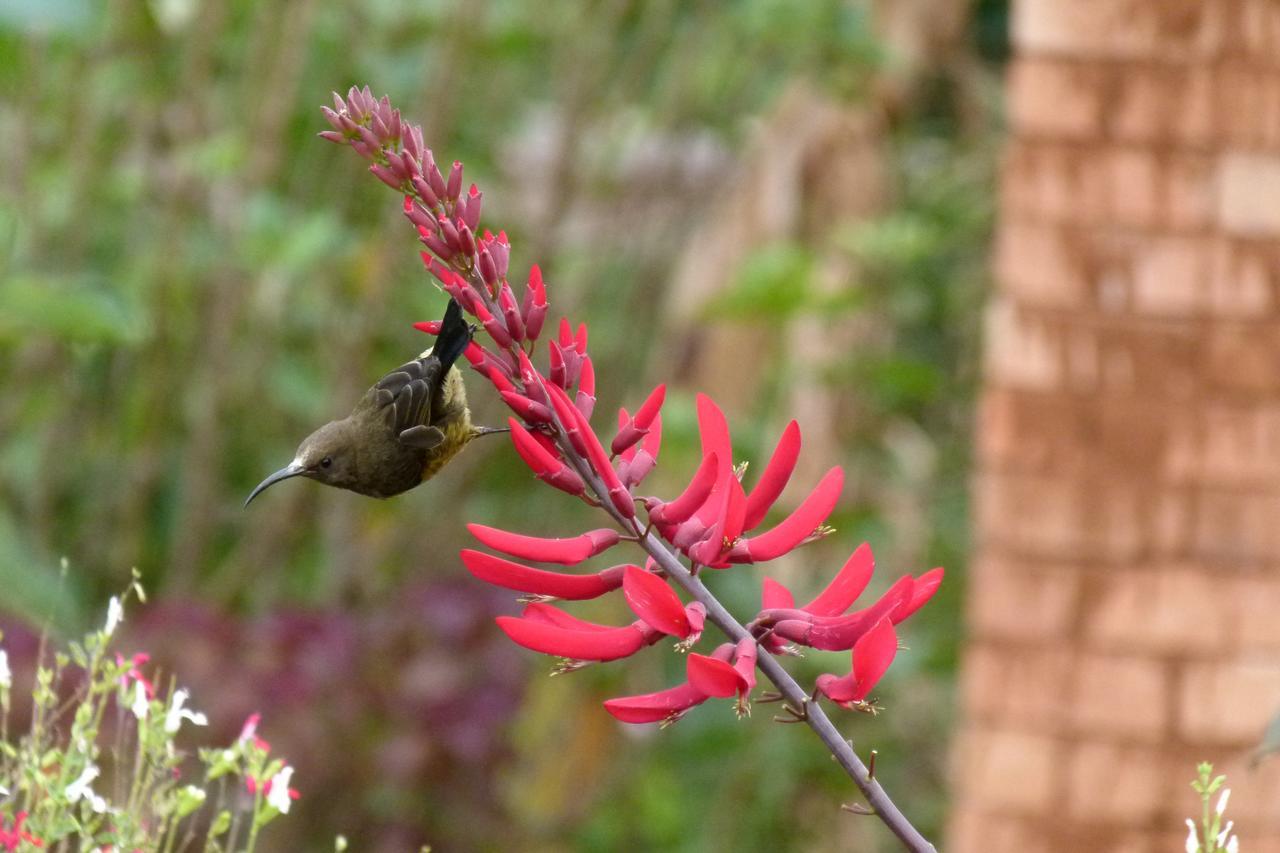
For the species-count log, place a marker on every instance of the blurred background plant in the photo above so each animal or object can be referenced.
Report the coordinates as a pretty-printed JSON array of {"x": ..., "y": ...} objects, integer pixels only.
[{"x": 189, "y": 281}]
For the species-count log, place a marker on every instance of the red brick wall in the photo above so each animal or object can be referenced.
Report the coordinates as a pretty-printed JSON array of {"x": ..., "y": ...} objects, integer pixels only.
[{"x": 1125, "y": 601}]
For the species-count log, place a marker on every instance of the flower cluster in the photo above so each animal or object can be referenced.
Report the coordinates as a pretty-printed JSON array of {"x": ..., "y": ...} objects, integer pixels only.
[
  {"x": 715, "y": 523},
  {"x": 53, "y": 789},
  {"x": 1211, "y": 835}
]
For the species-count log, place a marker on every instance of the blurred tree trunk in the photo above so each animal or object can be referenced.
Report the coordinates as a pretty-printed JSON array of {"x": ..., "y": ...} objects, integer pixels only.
[{"x": 1124, "y": 595}]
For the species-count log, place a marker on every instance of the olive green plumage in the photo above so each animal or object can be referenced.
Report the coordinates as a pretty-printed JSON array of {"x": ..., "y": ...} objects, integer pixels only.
[{"x": 402, "y": 432}]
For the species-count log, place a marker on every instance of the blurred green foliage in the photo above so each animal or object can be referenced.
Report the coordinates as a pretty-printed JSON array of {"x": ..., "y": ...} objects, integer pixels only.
[{"x": 190, "y": 281}]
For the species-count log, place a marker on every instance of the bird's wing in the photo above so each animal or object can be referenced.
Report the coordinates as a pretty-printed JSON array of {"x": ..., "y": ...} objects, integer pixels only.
[{"x": 404, "y": 395}]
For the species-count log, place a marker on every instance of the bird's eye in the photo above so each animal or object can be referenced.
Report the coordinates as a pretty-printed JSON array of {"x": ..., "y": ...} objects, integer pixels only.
[{"x": 326, "y": 462}]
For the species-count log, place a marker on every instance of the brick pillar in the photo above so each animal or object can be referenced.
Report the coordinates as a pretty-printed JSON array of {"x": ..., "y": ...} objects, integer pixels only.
[{"x": 1124, "y": 606}]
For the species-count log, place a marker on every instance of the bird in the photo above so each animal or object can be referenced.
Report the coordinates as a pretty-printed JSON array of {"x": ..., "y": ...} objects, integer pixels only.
[{"x": 402, "y": 432}]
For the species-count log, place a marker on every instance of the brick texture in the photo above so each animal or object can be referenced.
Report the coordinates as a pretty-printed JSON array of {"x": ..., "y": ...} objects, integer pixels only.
[{"x": 1124, "y": 612}]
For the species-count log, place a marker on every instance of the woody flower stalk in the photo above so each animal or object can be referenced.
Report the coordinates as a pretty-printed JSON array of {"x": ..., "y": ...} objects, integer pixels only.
[{"x": 714, "y": 524}]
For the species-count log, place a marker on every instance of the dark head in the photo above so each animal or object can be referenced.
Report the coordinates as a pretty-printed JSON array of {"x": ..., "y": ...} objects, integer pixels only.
[{"x": 327, "y": 455}]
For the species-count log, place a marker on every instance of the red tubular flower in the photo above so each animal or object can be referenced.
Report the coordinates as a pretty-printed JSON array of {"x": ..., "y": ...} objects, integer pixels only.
[
  {"x": 632, "y": 431},
  {"x": 796, "y": 527},
  {"x": 535, "y": 304},
  {"x": 521, "y": 578},
  {"x": 847, "y": 585},
  {"x": 619, "y": 496},
  {"x": 568, "y": 416},
  {"x": 657, "y": 605},
  {"x": 555, "y": 365},
  {"x": 925, "y": 586},
  {"x": 775, "y": 476},
  {"x": 547, "y": 467},
  {"x": 872, "y": 655},
  {"x": 714, "y": 676},
  {"x": 493, "y": 325},
  {"x": 695, "y": 494},
  {"x": 665, "y": 706},
  {"x": 724, "y": 533},
  {"x": 842, "y": 632},
  {"x": 530, "y": 411},
  {"x": 511, "y": 312},
  {"x": 566, "y": 552},
  {"x": 599, "y": 642}
]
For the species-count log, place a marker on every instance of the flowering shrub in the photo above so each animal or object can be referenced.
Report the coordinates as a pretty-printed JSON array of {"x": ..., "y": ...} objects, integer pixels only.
[
  {"x": 714, "y": 524},
  {"x": 53, "y": 787}
]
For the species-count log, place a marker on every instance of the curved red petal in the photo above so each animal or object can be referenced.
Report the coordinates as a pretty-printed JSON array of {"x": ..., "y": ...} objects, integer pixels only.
[
  {"x": 796, "y": 527},
  {"x": 538, "y": 611},
  {"x": 775, "y": 595},
  {"x": 522, "y": 578},
  {"x": 652, "y": 442},
  {"x": 925, "y": 586},
  {"x": 657, "y": 605},
  {"x": 655, "y": 707},
  {"x": 650, "y": 407},
  {"x": 713, "y": 677},
  {"x": 745, "y": 656},
  {"x": 714, "y": 432},
  {"x": 839, "y": 689},
  {"x": 550, "y": 639},
  {"x": 847, "y": 585},
  {"x": 695, "y": 494},
  {"x": 564, "y": 551},
  {"x": 872, "y": 655},
  {"x": 774, "y": 478}
]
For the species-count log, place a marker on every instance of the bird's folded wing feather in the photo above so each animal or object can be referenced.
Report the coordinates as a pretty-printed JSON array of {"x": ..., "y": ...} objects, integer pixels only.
[{"x": 405, "y": 395}]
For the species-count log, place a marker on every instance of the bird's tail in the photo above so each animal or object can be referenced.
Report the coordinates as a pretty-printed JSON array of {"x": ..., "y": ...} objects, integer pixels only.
[{"x": 454, "y": 336}]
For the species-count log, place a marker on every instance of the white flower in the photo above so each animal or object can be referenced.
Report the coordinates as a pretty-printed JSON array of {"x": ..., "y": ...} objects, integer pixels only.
[
  {"x": 1226, "y": 830},
  {"x": 278, "y": 796},
  {"x": 1233, "y": 846},
  {"x": 80, "y": 789},
  {"x": 1193, "y": 846},
  {"x": 115, "y": 615},
  {"x": 1222, "y": 801},
  {"x": 140, "y": 702},
  {"x": 4, "y": 792},
  {"x": 176, "y": 713},
  {"x": 6, "y": 676}
]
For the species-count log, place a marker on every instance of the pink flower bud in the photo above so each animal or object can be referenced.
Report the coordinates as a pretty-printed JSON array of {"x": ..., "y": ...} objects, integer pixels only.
[
  {"x": 555, "y": 360},
  {"x": 369, "y": 138},
  {"x": 418, "y": 215},
  {"x": 796, "y": 527},
  {"x": 387, "y": 176},
  {"x": 535, "y": 304},
  {"x": 331, "y": 117},
  {"x": 501, "y": 250},
  {"x": 511, "y": 312},
  {"x": 332, "y": 136},
  {"x": 657, "y": 605},
  {"x": 474, "y": 199},
  {"x": 453, "y": 188},
  {"x": 566, "y": 552},
  {"x": 545, "y": 465},
  {"x": 521, "y": 578},
  {"x": 409, "y": 166},
  {"x": 434, "y": 179},
  {"x": 424, "y": 191},
  {"x": 585, "y": 403},
  {"x": 488, "y": 271},
  {"x": 466, "y": 241},
  {"x": 775, "y": 477},
  {"x": 529, "y": 410},
  {"x": 450, "y": 234},
  {"x": 413, "y": 141}
]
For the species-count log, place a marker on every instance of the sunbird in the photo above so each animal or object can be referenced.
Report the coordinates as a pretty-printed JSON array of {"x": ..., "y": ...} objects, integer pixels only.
[{"x": 402, "y": 432}]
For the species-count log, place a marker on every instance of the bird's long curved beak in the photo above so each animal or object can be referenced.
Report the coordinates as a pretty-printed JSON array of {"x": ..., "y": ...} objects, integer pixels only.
[{"x": 293, "y": 469}]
